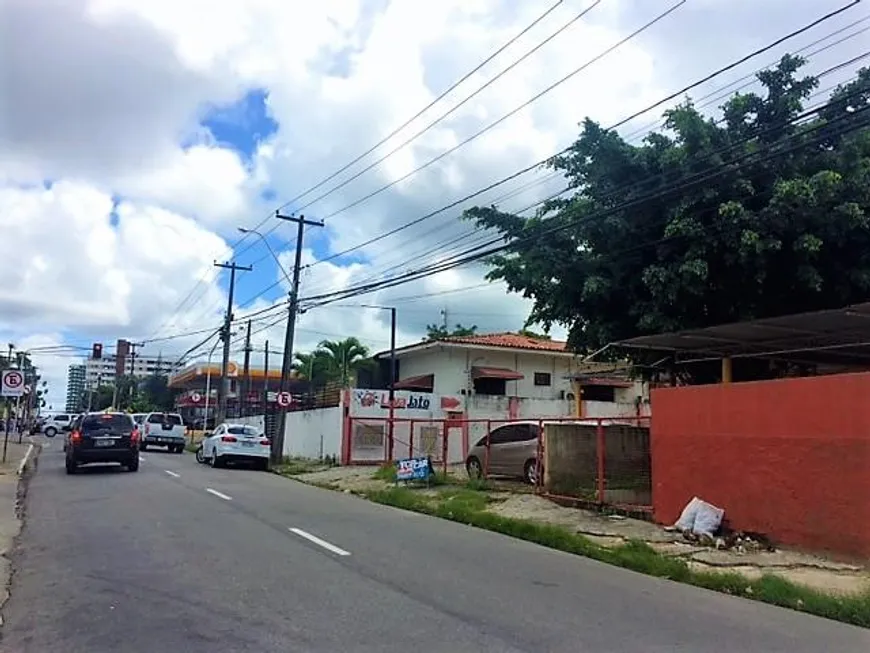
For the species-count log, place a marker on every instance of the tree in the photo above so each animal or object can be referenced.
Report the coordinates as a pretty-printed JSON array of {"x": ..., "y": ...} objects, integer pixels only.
[
  {"x": 782, "y": 227},
  {"x": 313, "y": 366},
  {"x": 155, "y": 395},
  {"x": 334, "y": 361},
  {"x": 532, "y": 334},
  {"x": 438, "y": 332}
]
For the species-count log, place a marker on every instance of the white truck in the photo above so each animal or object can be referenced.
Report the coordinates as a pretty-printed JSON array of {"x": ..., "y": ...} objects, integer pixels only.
[{"x": 163, "y": 430}]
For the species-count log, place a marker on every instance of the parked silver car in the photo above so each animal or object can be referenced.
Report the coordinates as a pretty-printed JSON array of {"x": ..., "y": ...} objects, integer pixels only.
[{"x": 513, "y": 451}]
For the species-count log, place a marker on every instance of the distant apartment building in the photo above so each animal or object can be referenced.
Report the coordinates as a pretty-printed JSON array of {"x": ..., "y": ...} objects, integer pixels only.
[
  {"x": 102, "y": 369},
  {"x": 75, "y": 387}
]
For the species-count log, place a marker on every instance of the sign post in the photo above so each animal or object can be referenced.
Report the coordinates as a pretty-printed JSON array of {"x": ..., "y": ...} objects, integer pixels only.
[{"x": 11, "y": 385}]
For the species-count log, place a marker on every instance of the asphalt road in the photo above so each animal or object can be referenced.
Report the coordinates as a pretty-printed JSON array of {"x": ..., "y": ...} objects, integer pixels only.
[{"x": 182, "y": 557}]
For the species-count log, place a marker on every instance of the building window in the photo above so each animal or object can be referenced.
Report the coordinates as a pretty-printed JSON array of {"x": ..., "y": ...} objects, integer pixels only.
[
  {"x": 599, "y": 393},
  {"x": 543, "y": 378},
  {"x": 486, "y": 386}
]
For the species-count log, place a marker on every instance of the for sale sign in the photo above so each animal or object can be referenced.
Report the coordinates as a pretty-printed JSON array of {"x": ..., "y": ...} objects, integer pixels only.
[{"x": 11, "y": 383}]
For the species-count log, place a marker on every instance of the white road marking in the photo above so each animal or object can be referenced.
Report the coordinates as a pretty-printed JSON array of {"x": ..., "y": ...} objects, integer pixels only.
[
  {"x": 24, "y": 460},
  {"x": 218, "y": 494},
  {"x": 173, "y": 474},
  {"x": 326, "y": 545}
]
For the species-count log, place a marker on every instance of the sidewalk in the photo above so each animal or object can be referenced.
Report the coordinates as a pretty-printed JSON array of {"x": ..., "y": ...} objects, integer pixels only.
[
  {"x": 10, "y": 523},
  {"x": 517, "y": 502}
]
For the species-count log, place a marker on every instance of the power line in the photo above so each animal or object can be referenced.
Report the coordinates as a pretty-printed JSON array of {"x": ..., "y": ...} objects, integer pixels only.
[
  {"x": 431, "y": 250},
  {"x": 513, "y": 112},
  {"x": 734, "y": 64},
  {"x": 456, "y": 107},
  {"x": 479, "y": 253},
  {"x": 410, "y": 120}
]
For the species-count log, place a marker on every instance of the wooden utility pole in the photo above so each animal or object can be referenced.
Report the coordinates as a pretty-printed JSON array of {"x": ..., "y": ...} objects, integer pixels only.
[
  {"x": 293, "y": 309},
  {"x": 224, "y": 386},
  {"x": 246, "y": 372}
]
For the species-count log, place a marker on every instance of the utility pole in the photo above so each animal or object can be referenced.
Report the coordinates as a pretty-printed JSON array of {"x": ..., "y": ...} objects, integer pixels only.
[
  {"x": 393, "y": 381},
  {"x": 133, "y": 346},
  {"x": 293, "y": 309},
  {"x": 224, "y": 387},
  {"x": 246, "y": 372}
]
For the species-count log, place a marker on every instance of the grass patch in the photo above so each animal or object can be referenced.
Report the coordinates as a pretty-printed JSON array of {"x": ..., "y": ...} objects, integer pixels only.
[
  {"x": 386, "y": 473},
  {"x": 296, "y": 466},
  {"x": 468, "y": 504}
]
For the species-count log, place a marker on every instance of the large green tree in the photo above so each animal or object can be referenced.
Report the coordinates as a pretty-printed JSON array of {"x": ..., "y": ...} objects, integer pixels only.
[{"x": 760, "y": 212}]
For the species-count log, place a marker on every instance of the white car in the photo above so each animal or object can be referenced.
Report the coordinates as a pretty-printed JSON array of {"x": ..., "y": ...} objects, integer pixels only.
[
  {"x": 235, "y": 443},
  {"x": 55, "y": 424}
]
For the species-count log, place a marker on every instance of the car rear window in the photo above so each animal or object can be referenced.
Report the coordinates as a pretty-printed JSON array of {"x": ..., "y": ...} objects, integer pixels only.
[
  {"x": 160, "y": 418},
  {"x": 242, "y": 430},
  {"x": 61, "y": 418},
  {"x": 114, "y": 421}
]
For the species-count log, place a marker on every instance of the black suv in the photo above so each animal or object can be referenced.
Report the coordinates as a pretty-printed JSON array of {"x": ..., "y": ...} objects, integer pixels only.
[{"x": 102, "y": 438}]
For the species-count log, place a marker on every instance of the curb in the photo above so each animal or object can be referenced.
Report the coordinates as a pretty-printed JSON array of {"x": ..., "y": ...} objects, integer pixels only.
[{"x": 23, "y": 464}]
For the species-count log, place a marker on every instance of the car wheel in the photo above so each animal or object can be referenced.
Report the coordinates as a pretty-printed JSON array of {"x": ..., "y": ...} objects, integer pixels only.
[
  {"x": 263, "y": 465},
  {"x": 50, "y": 432},
  {"x": 179, "y": 448},
  {"x": 71, "y": 466},
  {"x": 215, "y": 461},
  {"x": 473, "y": 467},
  {"x": 199, "y": 457},
  {"x": 530, "y": 472}
]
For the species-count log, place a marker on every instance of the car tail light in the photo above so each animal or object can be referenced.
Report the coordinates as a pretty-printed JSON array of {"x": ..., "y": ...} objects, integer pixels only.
[
  {"x": 75, "y": 437},
  {"x": 134, "y": 436},
  {"x": 265, "y": 442},
  {"x": 229, "y": 438}
]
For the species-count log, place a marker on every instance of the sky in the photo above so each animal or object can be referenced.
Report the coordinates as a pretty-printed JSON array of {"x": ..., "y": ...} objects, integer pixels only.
[{"x": 137, "y": 137}]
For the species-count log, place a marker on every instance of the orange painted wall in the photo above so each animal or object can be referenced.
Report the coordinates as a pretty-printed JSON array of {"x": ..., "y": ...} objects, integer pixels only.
[{"x": 789, "y": 458}]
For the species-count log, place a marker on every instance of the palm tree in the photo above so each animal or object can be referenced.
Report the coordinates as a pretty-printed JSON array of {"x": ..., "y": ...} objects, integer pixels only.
[
  {"x": 344, "y": 358},
  {"x": 314, "y": 366}
]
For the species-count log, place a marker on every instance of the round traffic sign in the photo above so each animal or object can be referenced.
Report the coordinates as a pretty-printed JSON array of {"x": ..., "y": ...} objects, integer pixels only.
[
  {"x": 284, "y": 399},
  {"x": 196, "y": 397},
  {"x": 13, "y": 379}
]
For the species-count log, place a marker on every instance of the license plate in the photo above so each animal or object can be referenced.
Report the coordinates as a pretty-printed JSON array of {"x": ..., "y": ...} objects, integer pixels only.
[
  {"x": 104, "y": 443},
  {"x": 247, "y": 444}
]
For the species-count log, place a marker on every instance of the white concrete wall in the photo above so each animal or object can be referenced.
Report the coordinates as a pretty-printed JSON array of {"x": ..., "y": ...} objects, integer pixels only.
[
  {"x": 452, "y": 367},
  {"x": 313, "y": 433}
]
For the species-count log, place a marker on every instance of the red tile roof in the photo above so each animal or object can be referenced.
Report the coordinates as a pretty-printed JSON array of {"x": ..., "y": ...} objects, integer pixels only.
[{"x": 508, "y": 341}]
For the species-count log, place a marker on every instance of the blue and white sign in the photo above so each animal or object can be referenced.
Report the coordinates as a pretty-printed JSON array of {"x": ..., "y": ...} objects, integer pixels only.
[{"x": 413, "y": 469}]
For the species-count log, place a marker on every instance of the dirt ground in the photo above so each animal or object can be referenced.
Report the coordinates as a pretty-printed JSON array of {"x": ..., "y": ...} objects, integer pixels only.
[{"x": 517, "y": 501}]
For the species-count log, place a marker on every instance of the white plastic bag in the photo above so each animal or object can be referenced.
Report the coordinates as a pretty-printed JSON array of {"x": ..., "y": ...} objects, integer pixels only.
[{"x": 700, "y": 517}]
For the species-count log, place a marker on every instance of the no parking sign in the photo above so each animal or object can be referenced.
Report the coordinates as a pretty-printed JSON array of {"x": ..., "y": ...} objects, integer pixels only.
[{"x": 11, "y": 383}]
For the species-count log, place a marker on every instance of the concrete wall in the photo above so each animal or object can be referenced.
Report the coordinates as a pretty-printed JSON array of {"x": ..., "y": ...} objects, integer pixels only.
[
  {"x": 789, "y": 458},
  {"x": 313, "y": 433},
  {"x": 253, "y": 420},
  {"x": 572, "y": 464}
]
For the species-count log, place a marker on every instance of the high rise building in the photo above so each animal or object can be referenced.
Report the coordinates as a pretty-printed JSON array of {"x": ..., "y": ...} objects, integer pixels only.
[
  {"x": 101, "y": 368},
  {"x": 75, "y": 387}
]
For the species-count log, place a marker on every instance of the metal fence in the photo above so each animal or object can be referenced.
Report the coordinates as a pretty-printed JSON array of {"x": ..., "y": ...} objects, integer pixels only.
[{"x": 601, "y": 460}]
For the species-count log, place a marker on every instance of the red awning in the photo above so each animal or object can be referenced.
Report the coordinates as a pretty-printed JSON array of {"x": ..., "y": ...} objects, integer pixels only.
[
  {"x": 495, "y": 373},
  {"x": 426, "y": 381}
]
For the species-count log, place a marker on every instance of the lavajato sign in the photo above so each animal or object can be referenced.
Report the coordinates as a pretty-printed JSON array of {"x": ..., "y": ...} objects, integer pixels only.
[{"x": 369, "y": 399}]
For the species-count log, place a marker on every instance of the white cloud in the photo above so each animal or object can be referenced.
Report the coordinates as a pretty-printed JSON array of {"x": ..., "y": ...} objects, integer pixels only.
[{"x": 107, "y": 91}]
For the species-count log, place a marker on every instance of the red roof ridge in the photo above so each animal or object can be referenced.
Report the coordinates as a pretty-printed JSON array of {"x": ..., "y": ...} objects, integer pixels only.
[{"x": 509, "y": 340}]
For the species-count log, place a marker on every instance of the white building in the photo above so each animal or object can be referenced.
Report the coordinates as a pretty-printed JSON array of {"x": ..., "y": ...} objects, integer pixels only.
[
  {"x": 510, "y": 375},
  {"x": 102, "y": 370},
  {"x": 450, "y": 392}
]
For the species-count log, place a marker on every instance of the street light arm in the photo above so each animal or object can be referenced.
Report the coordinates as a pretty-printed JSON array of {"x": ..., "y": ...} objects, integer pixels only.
[{"x": 271, "y": 251}]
